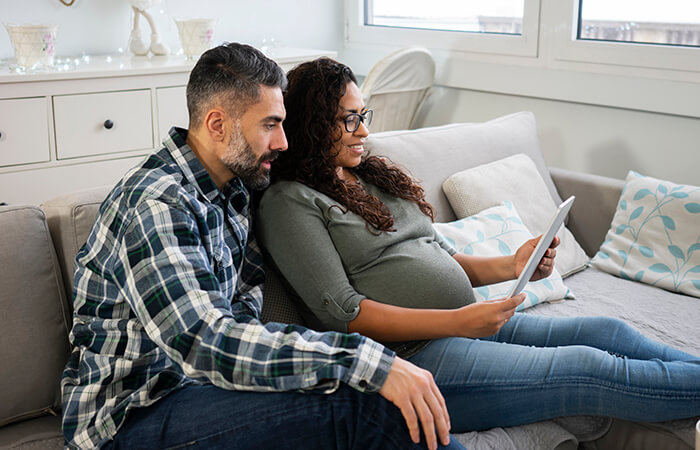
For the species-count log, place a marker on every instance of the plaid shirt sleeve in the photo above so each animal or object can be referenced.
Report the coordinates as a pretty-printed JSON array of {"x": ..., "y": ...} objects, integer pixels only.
[
  {"x": 252, "y": 277},
  {"x": 165, "y": 273}
]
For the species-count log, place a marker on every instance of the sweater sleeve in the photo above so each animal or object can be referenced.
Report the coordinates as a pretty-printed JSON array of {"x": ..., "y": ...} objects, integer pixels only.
[
  {"x": 442, "y": 243},
  {"x": 292, "y": 229}
]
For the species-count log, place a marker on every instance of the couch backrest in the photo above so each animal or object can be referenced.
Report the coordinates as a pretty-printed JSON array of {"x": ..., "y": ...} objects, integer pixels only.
[
  {"x": 70, "y": 219},
  {"x": 433, "y": 154},
  {"x": 34, "y": 316}
]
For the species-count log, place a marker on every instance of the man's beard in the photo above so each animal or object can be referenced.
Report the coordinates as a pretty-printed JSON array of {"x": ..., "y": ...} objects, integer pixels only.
[{"x": 241, "y": 160}]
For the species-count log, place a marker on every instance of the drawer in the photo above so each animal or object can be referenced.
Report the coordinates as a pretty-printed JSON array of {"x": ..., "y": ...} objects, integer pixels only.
[
  {"x": 96, "y": 124},
  {"x": 24, "y": 131},
  {"x": 172, "y": 110}
]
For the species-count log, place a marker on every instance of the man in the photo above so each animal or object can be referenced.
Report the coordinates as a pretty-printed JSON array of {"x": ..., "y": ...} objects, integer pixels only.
[{"x": 168, "y": 346}]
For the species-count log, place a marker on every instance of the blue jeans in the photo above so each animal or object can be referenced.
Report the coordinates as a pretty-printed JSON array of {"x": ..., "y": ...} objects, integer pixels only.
[
  {"x": 207, "y": 417},
  {"x": 539, "y": 368}
]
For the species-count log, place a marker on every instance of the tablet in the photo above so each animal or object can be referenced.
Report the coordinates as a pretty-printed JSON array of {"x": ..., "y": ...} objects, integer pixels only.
[{"x": 541, "y": 247}]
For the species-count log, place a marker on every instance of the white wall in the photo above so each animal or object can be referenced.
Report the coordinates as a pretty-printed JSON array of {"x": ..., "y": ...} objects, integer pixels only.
[
  {"x": 102, "y": 26},
  {"x": 594, "y": 139}
]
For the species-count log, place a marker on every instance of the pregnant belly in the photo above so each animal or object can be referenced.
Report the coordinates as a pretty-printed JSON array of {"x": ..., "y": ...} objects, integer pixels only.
[{"x": 430, "y": 280}]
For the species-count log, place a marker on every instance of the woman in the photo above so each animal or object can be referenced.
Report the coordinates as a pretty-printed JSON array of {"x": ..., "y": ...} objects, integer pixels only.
[{"x": 353, "y": 236}]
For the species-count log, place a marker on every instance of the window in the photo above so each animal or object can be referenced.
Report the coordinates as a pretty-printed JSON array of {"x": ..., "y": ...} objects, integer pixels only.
[
  {"x": 476, "y": 16},
  {"x": 608, "y": 33},
  {"x": 671, "y": 22},
  {"x": 502, "y": 27}
]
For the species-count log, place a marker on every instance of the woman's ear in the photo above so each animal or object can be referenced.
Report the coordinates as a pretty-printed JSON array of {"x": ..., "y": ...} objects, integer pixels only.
[{"x": 216, "y": 122}]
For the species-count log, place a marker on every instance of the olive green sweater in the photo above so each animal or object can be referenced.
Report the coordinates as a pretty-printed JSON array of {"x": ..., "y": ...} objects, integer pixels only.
[{"x": 333, "y": 261}]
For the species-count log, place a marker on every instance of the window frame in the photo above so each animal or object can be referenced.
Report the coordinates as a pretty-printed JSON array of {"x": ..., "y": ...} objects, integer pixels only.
[
  {"x": 568, "y": 48},
  {"x": 525, "y": 44}
]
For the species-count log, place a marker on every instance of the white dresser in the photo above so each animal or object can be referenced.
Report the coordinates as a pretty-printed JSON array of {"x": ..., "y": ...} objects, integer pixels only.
[{"x": 86, "y": 125}]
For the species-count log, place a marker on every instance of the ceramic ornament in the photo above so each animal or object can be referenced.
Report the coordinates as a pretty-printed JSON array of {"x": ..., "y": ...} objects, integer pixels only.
[{"x": 137, "y": 44}]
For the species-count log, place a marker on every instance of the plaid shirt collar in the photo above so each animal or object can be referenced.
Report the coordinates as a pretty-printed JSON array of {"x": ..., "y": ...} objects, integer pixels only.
[{"x": 197, "y": 175}]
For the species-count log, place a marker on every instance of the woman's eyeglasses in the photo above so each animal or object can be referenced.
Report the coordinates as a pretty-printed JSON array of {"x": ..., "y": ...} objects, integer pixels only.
[{"x": 353, "y": 121}]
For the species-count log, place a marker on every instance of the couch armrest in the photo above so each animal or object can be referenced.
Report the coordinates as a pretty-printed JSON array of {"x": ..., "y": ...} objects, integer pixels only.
[{"x": 596, "y": 200}]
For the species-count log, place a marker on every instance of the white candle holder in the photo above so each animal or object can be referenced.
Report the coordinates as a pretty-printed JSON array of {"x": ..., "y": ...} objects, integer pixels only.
[
  {"x": 196, "y": 35},
  {"x": 34, "y": 45}
]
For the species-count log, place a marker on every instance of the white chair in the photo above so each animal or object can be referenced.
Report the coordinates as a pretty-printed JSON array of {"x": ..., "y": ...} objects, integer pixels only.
[{"x": 397, "y": 86}]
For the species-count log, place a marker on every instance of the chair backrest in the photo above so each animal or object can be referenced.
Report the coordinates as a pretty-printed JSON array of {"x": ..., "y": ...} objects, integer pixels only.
[{"x": 397, "y": 86}]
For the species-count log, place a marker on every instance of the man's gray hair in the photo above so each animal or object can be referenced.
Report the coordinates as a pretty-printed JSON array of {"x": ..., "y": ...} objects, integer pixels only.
[{"x": 230, "y": 75}]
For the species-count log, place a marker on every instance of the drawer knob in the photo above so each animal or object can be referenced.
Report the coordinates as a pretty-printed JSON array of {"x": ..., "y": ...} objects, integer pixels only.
[{"x": 108, "y": 124}]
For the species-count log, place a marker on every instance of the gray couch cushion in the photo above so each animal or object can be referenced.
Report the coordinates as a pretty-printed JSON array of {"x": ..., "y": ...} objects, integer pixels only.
[
  {"x": 661, "y": 315},
  {"x": 33, "y": 316},
  {"x": 433, "y": 154},
  {"x": 70, "y": 219},
  {"x": 36, "y": 434}
]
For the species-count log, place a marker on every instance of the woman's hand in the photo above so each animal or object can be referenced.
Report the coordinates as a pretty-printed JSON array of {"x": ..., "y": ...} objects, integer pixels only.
[
  {"x": 546, "y": 265},
  {"x": 485, "y": 318}
]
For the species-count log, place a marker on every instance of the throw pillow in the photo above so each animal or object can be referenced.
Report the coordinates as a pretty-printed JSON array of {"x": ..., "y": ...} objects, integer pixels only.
[
  {"x": 655, "y": 235},
  {"x": 514, "y": 178},
  {"x": 499, "y": 231}
]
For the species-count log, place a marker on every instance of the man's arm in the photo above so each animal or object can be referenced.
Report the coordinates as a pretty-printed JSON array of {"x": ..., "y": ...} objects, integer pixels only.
[{"x": 165, "y": 274}]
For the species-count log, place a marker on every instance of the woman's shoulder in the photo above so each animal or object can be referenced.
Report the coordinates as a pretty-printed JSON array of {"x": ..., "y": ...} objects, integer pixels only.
[
  {"x": 288, "y": 189},
  {"x": 290, "y": 194}
]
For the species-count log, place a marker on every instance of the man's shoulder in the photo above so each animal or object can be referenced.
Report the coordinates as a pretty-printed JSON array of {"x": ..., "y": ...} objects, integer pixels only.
[{"x": 155, "y": 179}]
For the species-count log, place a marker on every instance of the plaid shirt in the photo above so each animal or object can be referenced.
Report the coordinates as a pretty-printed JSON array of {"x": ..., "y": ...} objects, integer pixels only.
[{"x": 168, "y": 292}]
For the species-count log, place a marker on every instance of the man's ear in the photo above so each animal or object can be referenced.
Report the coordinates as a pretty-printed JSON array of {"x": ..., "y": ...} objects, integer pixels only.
[{"x": 217, "y": 124}]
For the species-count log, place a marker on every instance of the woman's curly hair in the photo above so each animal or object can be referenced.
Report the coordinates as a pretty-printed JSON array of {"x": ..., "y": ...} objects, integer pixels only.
[{"x": 312, "y": 127}]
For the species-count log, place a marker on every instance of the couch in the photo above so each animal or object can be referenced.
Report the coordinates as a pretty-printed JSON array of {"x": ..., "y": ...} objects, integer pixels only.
[{"x": 38, "y": 245}]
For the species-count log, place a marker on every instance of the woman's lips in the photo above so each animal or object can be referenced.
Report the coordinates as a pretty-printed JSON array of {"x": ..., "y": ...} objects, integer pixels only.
[{"x": 357, "y": 149}]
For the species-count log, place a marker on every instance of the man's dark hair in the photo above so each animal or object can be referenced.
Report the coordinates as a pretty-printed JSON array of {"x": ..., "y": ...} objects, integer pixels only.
[{"x": 230, "y": 75}]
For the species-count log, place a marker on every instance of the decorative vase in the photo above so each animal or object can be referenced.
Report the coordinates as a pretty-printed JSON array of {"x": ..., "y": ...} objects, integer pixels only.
[
  {"x": 196, "y": 35},
  {"x": 34, "y": 45}
]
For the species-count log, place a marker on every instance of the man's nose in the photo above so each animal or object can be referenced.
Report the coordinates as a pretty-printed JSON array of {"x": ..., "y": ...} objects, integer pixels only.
[{"x": 279, "y": 142}]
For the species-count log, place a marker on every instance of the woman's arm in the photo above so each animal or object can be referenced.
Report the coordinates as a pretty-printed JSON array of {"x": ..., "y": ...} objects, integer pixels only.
[
  {"x": 489, "y": 270},
  {"x": 484, "y": 270},
  {"x": 390, "y": 323}
]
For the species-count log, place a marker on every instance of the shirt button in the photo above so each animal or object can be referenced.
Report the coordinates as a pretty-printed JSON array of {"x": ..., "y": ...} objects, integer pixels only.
[
  {"x": 325, "y": 302},
  {"x": 363, "y": 384}
]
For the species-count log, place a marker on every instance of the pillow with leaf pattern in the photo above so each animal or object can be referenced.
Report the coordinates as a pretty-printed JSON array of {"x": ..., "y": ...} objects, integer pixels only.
[
  {"x": 655, "y": 235},
  {"x": 499, "y": 231}
]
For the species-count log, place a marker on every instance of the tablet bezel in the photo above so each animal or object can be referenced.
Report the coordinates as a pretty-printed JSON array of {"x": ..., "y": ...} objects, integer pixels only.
[{"x": 541, "y": 247}]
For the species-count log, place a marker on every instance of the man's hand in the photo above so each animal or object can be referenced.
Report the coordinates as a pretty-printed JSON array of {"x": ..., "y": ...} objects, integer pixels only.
[
  {"x": 415, "y": 393},
  {"x": 546, "y": 265}
]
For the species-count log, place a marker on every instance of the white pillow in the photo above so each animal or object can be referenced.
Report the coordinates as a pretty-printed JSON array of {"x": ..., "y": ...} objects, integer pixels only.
[
  {"x": 655, "y": 235},
  {"x": 498, "y": 231},
  {"x": 514, "y": 178}
]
